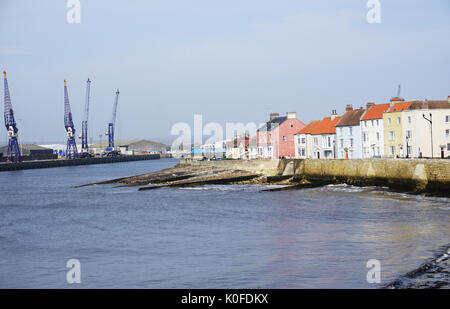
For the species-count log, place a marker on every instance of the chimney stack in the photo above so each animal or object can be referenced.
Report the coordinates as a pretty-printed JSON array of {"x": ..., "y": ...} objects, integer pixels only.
[
  {"x": 448, "y": 99},
  {"x": 348, "y": 108},
  {"x": 369, "y": 105},
  {"x": 333, "y": 114},
  {"x": 273, "y": 116},
  {"x": 291, "y": 115}
]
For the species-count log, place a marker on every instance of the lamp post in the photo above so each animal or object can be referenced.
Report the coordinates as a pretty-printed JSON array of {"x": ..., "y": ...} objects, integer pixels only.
[
  {"x": 431, "y": 130},
  {"x": 407, "y": 147}
]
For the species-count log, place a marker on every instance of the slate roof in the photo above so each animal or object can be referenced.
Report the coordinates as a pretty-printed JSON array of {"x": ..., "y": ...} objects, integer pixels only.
[
  {"x": 272, "y": 124},
  {"x": 351, "y": 118}
]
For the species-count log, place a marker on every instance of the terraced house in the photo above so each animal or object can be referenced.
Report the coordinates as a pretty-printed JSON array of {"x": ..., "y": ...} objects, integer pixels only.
[
  {"x": 423, "y": 138},
  {"x": 394, "y": 141},
  {"x": 348, "y": 133},
  {"x": 318, "y": 139},
  {"x": 372, "y": 130},
  {"x": 276, "y": 138}
]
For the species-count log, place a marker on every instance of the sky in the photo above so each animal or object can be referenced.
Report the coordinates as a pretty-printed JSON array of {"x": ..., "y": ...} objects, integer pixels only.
[{"x": 231, "y": 61}]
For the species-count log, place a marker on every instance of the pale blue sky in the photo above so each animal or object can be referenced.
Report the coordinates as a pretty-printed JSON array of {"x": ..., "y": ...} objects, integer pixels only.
[{"x": 228, "y": 60}]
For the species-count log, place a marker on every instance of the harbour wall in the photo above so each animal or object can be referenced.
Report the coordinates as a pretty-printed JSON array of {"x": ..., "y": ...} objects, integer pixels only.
[
  {"x": 61, "y": 162},
  {"x": 413, "y": 175}
]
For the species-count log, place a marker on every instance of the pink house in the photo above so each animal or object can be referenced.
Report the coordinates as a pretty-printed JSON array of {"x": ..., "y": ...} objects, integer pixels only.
[{"x": 276, "y": 138}]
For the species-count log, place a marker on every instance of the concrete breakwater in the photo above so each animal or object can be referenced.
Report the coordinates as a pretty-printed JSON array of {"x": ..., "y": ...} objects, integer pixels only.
[{"x": 85, "y": 161}]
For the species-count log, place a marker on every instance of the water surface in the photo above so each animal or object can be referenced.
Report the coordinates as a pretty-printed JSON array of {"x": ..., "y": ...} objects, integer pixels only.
[{"x": 207, "y": 237}]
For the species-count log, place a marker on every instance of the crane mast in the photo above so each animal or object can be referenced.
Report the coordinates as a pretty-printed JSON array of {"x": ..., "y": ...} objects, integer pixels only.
[
  {"x": 71, "y": 149},
  {"x": 13, "y": 153},
  {"x": 111, "y": 125},
  {"x": 84, "y": 124}
]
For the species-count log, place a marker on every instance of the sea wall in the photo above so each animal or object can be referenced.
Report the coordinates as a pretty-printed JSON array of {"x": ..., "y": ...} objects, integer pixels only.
[
  {"x": 61, "y": 162},
  {"x": 401, "y": 174},
  {"x": 414, "y": 175}
]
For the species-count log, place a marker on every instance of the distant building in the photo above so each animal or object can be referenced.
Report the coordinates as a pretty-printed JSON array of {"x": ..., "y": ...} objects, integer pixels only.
[
  {"x": 317, "y": 140},
  {"x": 348, "y": 133},
  {"x": 276, "y": 138},
  {"x": 372, "y": 130},
  {"x": 135, "y": 146},
  {"x": 30, "y": 152}
]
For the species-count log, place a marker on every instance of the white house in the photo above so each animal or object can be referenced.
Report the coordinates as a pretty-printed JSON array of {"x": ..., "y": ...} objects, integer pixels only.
[
  {"x": 372, "y": 130},
  {"x": 348, "y": 134}
]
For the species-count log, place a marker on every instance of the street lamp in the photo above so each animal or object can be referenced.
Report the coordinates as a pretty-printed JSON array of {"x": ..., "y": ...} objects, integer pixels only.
[
  {"x": 407, "y": 147},
  {"x": 431, "y": 130}
]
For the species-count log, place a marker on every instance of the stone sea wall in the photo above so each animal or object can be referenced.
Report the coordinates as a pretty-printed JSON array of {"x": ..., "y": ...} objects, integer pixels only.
[{"x": 415, "y": 175}]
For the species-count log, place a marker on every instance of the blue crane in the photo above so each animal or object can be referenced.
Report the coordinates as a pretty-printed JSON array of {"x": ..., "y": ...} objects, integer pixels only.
[
  {"x": 111, "y": 125},
  {"x": 84, "y": 124},
  {"x": 13, "y": 153},
  {"x": 71, "y": 150}
]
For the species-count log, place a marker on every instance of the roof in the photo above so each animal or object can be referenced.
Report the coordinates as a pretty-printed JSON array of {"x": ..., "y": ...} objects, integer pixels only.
[
  {"x": 431, "y": 104},
  {"x": 351, "y": 118},
  {"x": 398, "y": 107},
  {"x": 324, "y": 126},
  {"x": 272, "y": 124},
  {"x": 307, "y": 128},
  {"x": 376, "y": 111}
]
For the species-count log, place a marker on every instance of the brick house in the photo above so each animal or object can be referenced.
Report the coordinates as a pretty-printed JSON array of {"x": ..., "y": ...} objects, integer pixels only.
[{"x": 275, "y": 139}]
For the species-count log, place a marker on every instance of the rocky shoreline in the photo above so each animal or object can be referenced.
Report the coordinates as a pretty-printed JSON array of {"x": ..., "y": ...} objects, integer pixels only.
[{"x": 433, "y": 274}]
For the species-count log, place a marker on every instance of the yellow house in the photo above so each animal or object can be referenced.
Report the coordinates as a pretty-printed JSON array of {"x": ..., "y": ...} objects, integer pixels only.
[{"x": 393, "y": 133}]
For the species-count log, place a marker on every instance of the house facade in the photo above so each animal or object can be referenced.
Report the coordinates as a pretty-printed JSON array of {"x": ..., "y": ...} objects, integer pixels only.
[
  {"x": 276, "y": 138},
  {"x": 423, "y": 139},
  {"x": 372, "y": 130},
  {"x": 393, "y": 130},
  {"x": 318, "y": 140},
  {"x": 348, "y": 131}
]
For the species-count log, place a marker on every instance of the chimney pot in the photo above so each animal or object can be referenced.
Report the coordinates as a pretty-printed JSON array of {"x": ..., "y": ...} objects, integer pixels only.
[
  {"x": 348, "y": 108},
  {"x": 369, "y": 105},
  {"x": 273, "y": 116},
  {"x": 291, "y": 115}
]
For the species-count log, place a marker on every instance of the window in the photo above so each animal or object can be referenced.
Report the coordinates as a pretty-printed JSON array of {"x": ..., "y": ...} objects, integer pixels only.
[
  {"x": 447, "y": 133},
  {"x": 284, "y": 138},
  {"x": 372, "y": 122},
  {"x": 398, "y": 120},
  {"x": 316, "y": 141},
  {"x": 329, "y": 141},
  {"x": 303, "y": 152},
  {"x": 377, "y": 122},
  {"x": 391, "y": 135},
  {"x": 342, "y": 143},
  {"x": 378, "y": 136},
  {"x": 351, "y": 142},
  {"x": 392, "y": 148},
  {"x": 365, "y": 137},
  {"x": 409, "y": 119},
  {"x": 303, "y": 140},
  {"x": 350, "y": 130},
  {"x": 408, "y": 134},
  {"x": 365, "y": 124},
  {"x": 447, "y": 118},
  {"x": 378, "y": 151},
  {"x": 340, "y": 131},
  {"x": 448, "y": 147},
  {"x": 389, "y": 121}
]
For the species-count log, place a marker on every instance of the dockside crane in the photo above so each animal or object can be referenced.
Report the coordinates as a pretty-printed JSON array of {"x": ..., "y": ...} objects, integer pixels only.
[
  {"x": 13, "y": 154},
  {"x": 111, "y": 125},
  {"x": 84, "y": 124},
  {"x": 71, "y": 149}
]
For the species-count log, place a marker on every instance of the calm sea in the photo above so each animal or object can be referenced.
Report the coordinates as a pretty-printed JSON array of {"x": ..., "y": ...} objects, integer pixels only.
[{"x": 207, "y": 237}]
